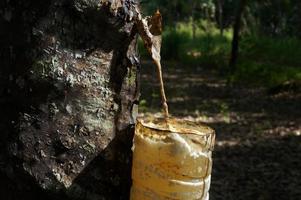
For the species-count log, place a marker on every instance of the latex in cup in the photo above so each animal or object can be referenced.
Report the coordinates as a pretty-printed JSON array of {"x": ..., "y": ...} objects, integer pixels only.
[{"x": 171, "y": 160}]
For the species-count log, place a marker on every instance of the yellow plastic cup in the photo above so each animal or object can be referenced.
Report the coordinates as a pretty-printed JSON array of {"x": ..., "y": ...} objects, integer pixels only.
[{"x": 171, "y": 160}]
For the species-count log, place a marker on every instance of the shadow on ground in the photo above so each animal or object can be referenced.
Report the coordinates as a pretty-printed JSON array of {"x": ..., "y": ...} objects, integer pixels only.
[
  {"x": 264, "y": 169},
  {"x": 258, "y": 144}
]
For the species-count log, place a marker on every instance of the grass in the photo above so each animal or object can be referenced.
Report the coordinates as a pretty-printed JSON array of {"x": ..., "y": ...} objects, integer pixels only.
[
  {"x": 262, "y": 61},
  {"x": 269, "y": 61},
  {"x": 179, "y": 45}
]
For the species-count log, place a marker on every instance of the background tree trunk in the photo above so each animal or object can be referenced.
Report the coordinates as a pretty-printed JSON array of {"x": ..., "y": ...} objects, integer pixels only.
[
  {"x": 220, "y": 5},
  {"x": 68, "y": 98},
  {"x": 194, "y": 26},
  {"x": 236, "y": 31}
]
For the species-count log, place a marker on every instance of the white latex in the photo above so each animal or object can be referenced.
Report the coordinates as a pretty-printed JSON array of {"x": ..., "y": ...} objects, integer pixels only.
[{"x": 168, "y": 164}]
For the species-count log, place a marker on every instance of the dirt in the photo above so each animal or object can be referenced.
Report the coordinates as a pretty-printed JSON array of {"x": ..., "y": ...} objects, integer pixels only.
[{"x": 258, "y": 135}]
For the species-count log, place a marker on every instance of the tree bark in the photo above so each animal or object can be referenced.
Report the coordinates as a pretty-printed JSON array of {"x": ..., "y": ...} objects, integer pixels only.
[
  {"x": 220, "y": 4},
  {"x": 236, "y": 32},
  {"x": 68, "y": 98},
  {"x": 194, "y": 26}
]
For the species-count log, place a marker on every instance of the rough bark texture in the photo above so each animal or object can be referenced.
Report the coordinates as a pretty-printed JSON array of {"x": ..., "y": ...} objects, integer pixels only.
[{"x": 69, "y": 88}]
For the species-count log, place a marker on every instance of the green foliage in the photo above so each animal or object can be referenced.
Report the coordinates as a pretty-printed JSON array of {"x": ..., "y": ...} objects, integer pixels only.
[
  {"x": 143, "y": 105},
  {"x": 173, "y": 41},
  {"x": 180, "y": 10},
  {"x": 281, "y": 51},
  {"x": 269, "y": 61},
  {"x": 207, "y": 48},
  {"x": 192, "y": 37},
  {"x": 275, "y": 18},
  {"x": 263, "y": 60}
]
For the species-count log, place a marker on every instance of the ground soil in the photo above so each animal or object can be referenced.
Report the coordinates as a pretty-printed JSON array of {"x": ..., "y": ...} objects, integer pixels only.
[{"x": 257, "y": 154}]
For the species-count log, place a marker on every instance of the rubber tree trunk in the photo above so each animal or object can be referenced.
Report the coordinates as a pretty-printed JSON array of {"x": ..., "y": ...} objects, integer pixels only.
[
  {"x": 68, "y": 98},
  {"x": 236, "y": 35}
]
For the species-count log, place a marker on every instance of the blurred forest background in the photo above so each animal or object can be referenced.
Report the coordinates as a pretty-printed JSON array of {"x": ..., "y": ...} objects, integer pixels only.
[
  {"x": 200, "y": 32},
  {"x": 235, "y": 65}
]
